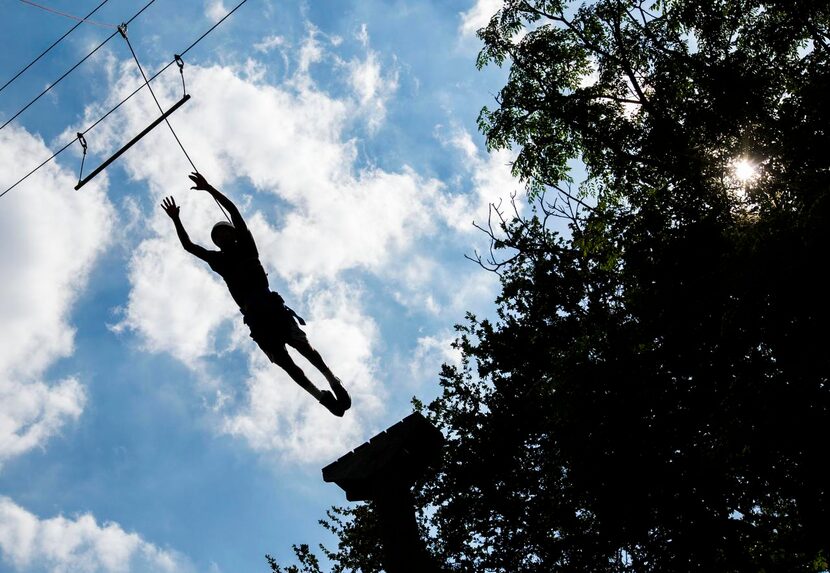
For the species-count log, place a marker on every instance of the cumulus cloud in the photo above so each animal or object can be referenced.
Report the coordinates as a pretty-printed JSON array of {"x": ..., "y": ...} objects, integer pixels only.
[
  {"x": 32, "y": 412},
  {"x": 52, "y": 237},
  {"x": 432, "y": 351},
  {"x": 478, "y": 16},
  {"x": 215, "y": 10},
  {"x": 372, "y": 88},
  {"x": 269, "y": 43},
  {"x": 186, "y": 325},
  {"x": 60, "y": 545},
  {"x": 492, "y": 181}
]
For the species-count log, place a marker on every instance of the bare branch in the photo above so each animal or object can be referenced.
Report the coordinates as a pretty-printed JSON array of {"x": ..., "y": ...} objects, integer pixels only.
[{"x": 626, "y": 65}]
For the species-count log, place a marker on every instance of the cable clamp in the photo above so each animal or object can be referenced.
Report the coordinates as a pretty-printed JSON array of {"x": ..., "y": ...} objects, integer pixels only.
[
  {"x": 82, "y": 141},
  {"x": 122, "y": 29}
]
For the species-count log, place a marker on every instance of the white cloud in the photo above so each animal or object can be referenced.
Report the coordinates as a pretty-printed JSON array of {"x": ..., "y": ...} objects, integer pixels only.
[
  {"x": 590, "y": 78},
  {"x": 311, "y": 52},
  {"x": 362, "y": 35},
  {"x": 215, "y": 10},
  {"x": 364, "y": 222},
  {"x": 269, "y": 43},
  {"x": 372, "y": 88},
  {"x": 175, "y": 303},
  {"x": 32, "y": 412},
  {"x": 491, "y": 180},
  {"x": 61, "y": 545},
  {"x": 51, "y": 237},
  {"x": 478, "y": 16},
  {"x": 289, "y": 141},
  {"x": 433, "y": 351}
]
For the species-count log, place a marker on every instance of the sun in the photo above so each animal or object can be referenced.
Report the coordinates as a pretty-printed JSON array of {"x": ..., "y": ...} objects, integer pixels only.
[{"x": 744, "y": 170}]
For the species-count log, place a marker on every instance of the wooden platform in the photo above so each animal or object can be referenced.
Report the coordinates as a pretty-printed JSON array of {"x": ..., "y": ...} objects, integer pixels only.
[{"x": 397, "y": 456}]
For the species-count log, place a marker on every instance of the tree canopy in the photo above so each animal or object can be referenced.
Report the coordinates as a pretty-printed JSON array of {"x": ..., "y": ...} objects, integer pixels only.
[{"x": 654, "y": 393}]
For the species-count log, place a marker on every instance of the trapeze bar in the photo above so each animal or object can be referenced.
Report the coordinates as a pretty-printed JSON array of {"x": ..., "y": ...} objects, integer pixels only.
[{"x": 132, "y": 142}]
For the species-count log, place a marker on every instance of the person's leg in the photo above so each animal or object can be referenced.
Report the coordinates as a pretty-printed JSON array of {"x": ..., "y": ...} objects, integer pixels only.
[
  {"x": 273, "y": 346},
  {"x": 306, "y": 350},
  {"x": 281, "y": 358},
  {"x": 333, "y": 403}
]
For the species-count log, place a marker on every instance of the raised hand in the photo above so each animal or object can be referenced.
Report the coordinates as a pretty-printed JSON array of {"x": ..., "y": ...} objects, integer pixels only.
[
  {"x": 170, "y": 207},
  {"x": 201, "y": 183}
]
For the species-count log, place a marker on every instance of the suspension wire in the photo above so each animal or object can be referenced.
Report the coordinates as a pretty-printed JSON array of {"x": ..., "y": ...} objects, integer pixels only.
[
  {"x": 70, "y": 16},
  {"x": 180, "y": 62},
  {"x": 186, "y": 50},
  {"x": 164, "y": 69},
  {"x": 46, "y": 51},
  {"x": 123, "y": 30},
  {"x": 123, "y": 101},
  {"x": 70, "y": 70},
  {"x": 212, "y": 28},
  {"x": 32, "y": 172},
  {"x": 178, "y": 59}
]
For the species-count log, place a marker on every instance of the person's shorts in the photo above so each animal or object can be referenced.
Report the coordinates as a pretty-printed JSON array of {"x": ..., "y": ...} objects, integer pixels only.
[{"x": 272, "y": 324}]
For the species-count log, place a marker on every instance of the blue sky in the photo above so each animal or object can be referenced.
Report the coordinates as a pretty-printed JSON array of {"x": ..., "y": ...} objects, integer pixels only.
[{"x": 140, "y": 428}]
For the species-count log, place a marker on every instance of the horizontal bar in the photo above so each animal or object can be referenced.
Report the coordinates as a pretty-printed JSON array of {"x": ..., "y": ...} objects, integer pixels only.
[{"x": 132, "y": 142}]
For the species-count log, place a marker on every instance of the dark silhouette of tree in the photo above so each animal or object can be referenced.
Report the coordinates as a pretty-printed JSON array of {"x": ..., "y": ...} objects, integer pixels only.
[{"x": 654, "y": 393}]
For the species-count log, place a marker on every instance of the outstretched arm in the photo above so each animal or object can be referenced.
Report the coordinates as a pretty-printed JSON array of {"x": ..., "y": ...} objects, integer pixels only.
[
  {"x": 172, "y": 210},
  {"x": 202, "y": 185}
]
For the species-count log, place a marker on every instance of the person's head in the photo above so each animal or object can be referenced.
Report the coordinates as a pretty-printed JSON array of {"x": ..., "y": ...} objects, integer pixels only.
[{"x": 223, "y": 235}]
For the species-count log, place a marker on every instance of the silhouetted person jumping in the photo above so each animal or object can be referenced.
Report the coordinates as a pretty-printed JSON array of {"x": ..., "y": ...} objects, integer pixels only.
[{"x": 272, "y": 323}]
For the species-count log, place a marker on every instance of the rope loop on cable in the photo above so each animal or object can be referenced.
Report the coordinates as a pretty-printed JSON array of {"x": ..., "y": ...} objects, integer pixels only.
[
  {"x": 180, "y": 62},
  {"x": 82, "y": 141}
]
